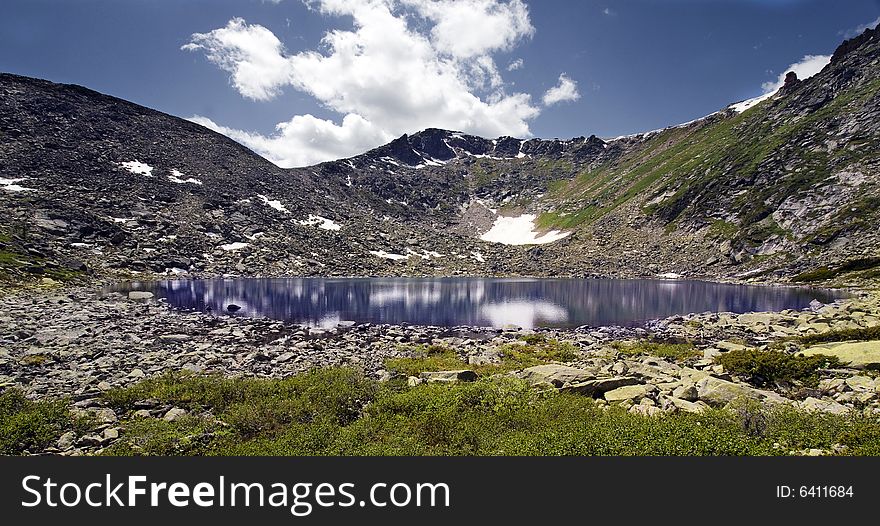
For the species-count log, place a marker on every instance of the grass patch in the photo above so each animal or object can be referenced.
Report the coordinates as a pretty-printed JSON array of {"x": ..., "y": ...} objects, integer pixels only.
[
  {"x": 766, "y": 367},
  {"x": 492, "y": 416},
  {"x": 678, "y": 352},
  {"x": 28, "y": 425},
  {"x": 842, "y": 335},
  {"x": 535, "y": 350}
]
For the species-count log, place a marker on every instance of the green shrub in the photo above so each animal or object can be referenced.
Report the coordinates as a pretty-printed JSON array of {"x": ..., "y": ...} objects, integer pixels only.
[
  {"x": 766, "y": 367},
  {"x": 870, "y": 333},
  {"x": 492, "y": 416},
  {"x": 514, "y": 356},
  {"x": 27, "y": 425}
]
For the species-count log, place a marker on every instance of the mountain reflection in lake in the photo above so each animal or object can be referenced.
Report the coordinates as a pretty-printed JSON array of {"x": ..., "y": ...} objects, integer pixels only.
[{"x": 324, "y": 302}]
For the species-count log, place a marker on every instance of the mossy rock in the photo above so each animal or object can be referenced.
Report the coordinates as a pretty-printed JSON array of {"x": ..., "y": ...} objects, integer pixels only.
[{"x": 857, "y": 354}]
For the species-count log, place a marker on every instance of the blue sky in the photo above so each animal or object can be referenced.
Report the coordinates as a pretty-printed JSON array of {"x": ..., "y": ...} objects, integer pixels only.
[{"x": 588, "y": 67}]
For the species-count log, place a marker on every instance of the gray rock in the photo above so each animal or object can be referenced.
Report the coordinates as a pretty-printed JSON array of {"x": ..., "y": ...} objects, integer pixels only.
[
  {"x": 597, "y": 388},
  {"x": 716, "y": 391},
  {"x": 686, "y": 392},
  {"x": 449, "y": 376},
  {"x": 825, "y": 406},
  {"x": 139, "y": 295},
  {"x": 173, "y": 414},
  {"x": 629, "y": 392},
  {"x": 556, "y": 375},
  {"x": 66, "y": 440}
]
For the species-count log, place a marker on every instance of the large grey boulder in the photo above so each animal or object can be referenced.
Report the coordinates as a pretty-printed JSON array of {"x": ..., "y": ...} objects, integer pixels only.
[
  {"x": 597, "y": 388},
  {"x": 715, "y": 391},
  {"x": 630, "y": 392},
  {"x": 556, "y": 375}
]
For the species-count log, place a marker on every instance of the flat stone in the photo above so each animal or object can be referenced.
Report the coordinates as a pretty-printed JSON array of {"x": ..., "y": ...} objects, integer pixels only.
[
  {"x": 600, "y": 386},
  {"x": 857, "y": 354},
  {"x": 463, "y": 375},
  {"x": 629, "y": 392},
  {"x": 557, "y": 375},
  {"x": 139, "y": 295},
  {"x": 860, "y": 383},
  {"x": 715, "y": 391},
  {"x": 729, "y": 346},
  {"x": 825, "y": 406}
]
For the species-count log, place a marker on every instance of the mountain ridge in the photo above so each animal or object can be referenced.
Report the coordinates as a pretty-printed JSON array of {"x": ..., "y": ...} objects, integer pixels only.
[{"x": 785, "y": 188}]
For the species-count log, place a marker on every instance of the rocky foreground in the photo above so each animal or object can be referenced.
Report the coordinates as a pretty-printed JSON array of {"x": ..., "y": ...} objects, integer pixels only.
[{"x": 78, "y": 343}]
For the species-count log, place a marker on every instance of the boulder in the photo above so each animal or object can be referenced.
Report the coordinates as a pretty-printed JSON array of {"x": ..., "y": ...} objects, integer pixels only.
[
  {"x": 857, "y": 354},
  {"x": 689, "y": 406},
  {"x": 173, "y": 414},
  {"x": 715, "y": 391},
  {"x": 139, "y": 295},
  {"x": 861, "y": 383},
  {"x": 463, "y": 375},
  {"x": 825, "y": 406},
  {"x": 597, "y": 388},
  {"x": 556, "y": 375},
  {"x": 686, "y": 392},
  {"x": 629, "y": 392}
]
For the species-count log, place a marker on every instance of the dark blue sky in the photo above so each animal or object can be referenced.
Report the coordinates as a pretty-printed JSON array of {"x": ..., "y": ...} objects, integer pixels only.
[{"x": 639, "y": 64}]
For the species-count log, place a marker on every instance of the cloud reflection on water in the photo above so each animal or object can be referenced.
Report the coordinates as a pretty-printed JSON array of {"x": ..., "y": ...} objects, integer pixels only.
[{"x": 475, "y": 301}]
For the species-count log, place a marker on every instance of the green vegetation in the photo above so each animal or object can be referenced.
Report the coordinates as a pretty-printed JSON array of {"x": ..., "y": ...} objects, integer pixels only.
[
  {"x": 766, "y": 367},
  {"x": 674, "y": 169},
  {"x": 843, "y": 335},
  {"x": 494, "y": 416},
  {"x": 27, "y": 425},
  {"x": 826, "y": 273},
  {"x": 340, "y": 412},
  {"x": 535, "y": 349},
  {"x": 17, "y": 267},
  {"x": 672, "y": 351}
]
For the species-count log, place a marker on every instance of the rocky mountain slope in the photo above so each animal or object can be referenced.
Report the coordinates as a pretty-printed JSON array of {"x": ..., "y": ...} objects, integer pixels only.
[{"x": 785, "y": 189}]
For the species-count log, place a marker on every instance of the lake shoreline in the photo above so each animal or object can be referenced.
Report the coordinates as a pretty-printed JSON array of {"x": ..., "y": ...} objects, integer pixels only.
[{"x": 74, "y": 342}]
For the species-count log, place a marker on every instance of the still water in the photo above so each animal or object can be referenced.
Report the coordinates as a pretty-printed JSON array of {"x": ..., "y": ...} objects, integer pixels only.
[{"x": 528, "y": 303}]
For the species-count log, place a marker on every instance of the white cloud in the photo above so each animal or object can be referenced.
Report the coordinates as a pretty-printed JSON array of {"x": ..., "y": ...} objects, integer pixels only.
[
  {"x": 565, "y": 91},
  {"x": 861, "y": 29},
  {"x": 305, "y": 140},
  {"x": 404, "y": 66},
  {"x": 805, "y": 68},
  {"x": 515, "y": 65}
]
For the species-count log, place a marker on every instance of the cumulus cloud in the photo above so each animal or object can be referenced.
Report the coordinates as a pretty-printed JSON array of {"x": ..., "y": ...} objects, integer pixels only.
[
  {"x": 805, "y": 68},
  {"x": 305, "y": 140},
  {"x": 403, "y": 66},
  {"x": 565, "y": 91},
  {"x": 515, "y": 65}
]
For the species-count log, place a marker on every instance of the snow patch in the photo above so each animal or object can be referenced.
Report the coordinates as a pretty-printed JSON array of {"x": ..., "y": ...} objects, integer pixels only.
[
  {"x": 10, "y": 186},
  {"x": 320, "y": 222},
  {"x": 273, "y": 203},
  {"x": 520, "y": 231},
  {"x": 388, "y": 255},
  {"x": 177, "y": 177},
  {"x": 137, "y": 167},
  {"x": 740, "y": 107},
  {"x": 669, "y": 275},
  {"x": 238, "y": 245}
]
